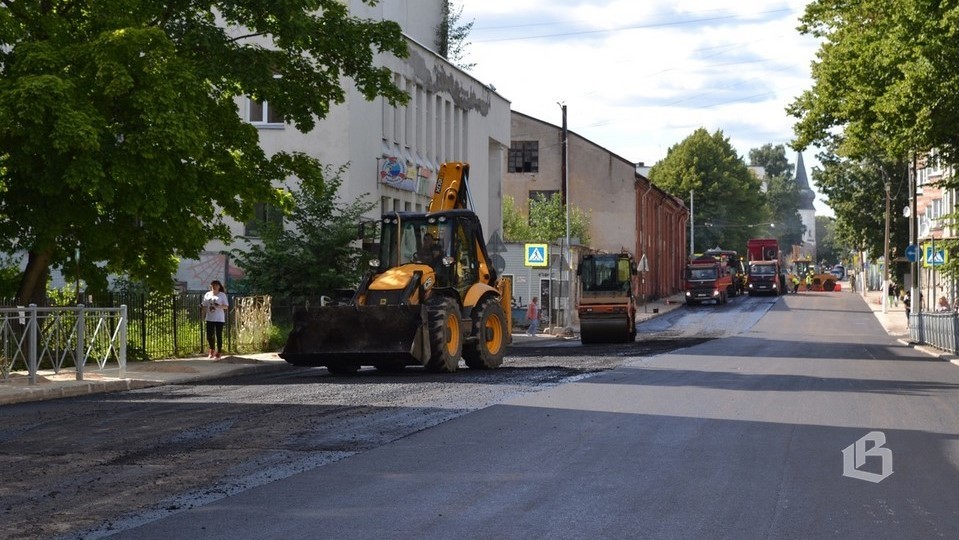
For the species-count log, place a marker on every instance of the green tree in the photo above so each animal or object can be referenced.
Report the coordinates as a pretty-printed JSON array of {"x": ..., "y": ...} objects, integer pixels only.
[
  {"x": 828, "y": 246},
  {"x": 120, "y": 132},
  {"x": 546, "y": 221},
  {"x": 451, "y": 36},
  {"x": 884, "y": 90},
  {"x": 515, "y": 224},
  {"x": 782, "y": 194},
  {"x": 728, "y": 204},
  {"x": 315, "y": 253},
  {"x": 857, "y": 195},
  {"x": 884, "y": 79}
]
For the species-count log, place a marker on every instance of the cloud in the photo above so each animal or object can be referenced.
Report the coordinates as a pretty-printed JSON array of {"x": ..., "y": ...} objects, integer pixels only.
[{"x": 639, "y": 77}]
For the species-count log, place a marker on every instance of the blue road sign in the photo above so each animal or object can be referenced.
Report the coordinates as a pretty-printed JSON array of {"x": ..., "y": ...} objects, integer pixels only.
[{"x": 911, "y": 252}]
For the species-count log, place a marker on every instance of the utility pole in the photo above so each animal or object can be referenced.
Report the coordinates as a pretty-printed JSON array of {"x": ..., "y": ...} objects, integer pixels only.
[
  {"x": 692, "y": 235},
  {"x": 915, "y": 298},
  {"x": 568, "y": 318},
  {"x": 885, "y": 253}
]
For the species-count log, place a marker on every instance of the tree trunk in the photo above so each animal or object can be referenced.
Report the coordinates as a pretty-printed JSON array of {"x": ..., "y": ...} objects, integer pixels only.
[{"x": 33, "y": 285}]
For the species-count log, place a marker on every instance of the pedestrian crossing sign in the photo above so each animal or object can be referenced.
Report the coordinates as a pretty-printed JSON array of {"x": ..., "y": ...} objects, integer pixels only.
[
  {"x": 536, "y": 254},
  {"x": 934, "y": 257}
]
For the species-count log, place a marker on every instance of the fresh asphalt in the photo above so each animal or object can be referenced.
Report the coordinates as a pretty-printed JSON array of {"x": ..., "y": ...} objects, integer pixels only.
[{"x": 740, "y": 437}]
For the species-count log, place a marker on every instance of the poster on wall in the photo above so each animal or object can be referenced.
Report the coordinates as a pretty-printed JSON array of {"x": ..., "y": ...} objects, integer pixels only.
[{"x": 394, "y": 172}]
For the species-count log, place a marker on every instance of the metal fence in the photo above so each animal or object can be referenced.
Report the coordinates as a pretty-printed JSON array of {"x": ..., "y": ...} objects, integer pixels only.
[
  {"x": 173, "y": 326},
  {"x": 34, "y": 338},
  {"x": 936, "y": 329}
]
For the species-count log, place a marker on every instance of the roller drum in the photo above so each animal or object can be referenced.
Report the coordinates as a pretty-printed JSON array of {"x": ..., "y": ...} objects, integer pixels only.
[{"x": 604, "y": 329}]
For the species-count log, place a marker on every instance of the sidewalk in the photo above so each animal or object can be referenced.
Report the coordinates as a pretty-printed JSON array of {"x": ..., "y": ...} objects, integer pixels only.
[
  {"x": 186, "y": 370},
  {"x": 50, "y": 385},
  {"x": 894, "y": 320}
]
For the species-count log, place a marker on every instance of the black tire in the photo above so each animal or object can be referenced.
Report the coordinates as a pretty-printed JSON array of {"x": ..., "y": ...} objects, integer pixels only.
[
  {"x": 446, "y": 337},
  {"x": 487, "y": 343},
  {"x": 342, "y": 369},
  {"x": 829, "y": 285}
]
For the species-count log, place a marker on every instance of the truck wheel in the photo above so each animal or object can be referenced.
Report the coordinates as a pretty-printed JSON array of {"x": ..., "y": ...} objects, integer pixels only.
[
  {"x": 829, "y": 285},
  {"x": 489, "y": 332},
  {"x": 446, "y": 338}
]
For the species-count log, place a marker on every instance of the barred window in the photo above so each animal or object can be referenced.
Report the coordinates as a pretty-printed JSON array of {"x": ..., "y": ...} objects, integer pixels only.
[{"x": 524, "y": 156}]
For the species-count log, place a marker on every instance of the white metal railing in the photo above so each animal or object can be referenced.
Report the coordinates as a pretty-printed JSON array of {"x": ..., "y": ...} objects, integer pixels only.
[{"x": 34, "y": 338}]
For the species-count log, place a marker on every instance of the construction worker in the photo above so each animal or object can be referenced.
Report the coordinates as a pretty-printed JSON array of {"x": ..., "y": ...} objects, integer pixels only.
[
  {"x": 809, "y": 281},
  {"x": 795, "y": 282}
]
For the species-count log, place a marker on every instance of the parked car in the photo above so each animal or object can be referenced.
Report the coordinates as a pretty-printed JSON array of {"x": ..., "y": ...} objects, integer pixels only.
[{"x": 839, "y": 271}]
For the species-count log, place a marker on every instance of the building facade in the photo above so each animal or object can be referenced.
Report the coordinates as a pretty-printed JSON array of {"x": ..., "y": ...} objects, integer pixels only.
[
  {"x": 626, "y": 212},
  {"x": 392, "y": 153}
]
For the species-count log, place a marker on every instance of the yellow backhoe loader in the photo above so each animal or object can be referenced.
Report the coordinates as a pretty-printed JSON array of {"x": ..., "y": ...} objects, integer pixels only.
[{"x": 431, "y": 298}]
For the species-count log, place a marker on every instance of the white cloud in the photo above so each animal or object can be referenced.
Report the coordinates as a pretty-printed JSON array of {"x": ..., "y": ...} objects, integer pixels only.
[{"x": 638, "y": 77}]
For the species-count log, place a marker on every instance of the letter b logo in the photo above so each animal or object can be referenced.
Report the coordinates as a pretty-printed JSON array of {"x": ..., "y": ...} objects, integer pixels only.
[{"x": 854, "y": 456}]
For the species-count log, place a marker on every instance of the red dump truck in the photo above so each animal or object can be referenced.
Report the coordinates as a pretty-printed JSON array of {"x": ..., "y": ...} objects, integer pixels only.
[
  {"x": 765, "y": 273},
  {"x": 708, "y": 279}
]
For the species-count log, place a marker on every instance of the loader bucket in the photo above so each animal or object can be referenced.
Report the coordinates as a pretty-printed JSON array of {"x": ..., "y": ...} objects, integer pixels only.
[{"x": 351, "y": 336}]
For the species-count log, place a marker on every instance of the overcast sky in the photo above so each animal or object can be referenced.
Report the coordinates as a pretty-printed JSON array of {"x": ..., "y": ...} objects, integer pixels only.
[{"x": 639, "y": 76}]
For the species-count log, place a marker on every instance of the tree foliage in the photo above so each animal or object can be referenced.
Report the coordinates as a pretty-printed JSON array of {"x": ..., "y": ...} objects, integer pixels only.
[
  {"x": 828, "y": 246},
  {"x": 884, "y": 81},
  {"x": 884, "y": 90},
  {"x": 728, "y": 205},
  {"x": 546, "y": 222},
  {"x": 782, "y": 194},
  {"x": 315, "y": 252},
  {"x": 451, "y": 36},
  {"x": 120, "y": 131},
  {"x": 857, "y": 194}
]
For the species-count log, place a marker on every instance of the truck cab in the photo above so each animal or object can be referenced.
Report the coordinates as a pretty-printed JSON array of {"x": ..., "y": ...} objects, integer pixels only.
[{"x": 708, "y": 279}]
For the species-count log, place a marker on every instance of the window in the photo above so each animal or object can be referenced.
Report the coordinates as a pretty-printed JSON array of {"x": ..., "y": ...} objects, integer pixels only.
[
  {"x": 262, "y": 113},
  {"x": 263, "y": 213},
  {"x": 524, "y": 157}
]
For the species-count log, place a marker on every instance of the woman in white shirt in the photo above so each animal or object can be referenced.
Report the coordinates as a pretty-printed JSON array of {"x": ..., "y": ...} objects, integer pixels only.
[{"x": 215, "y": 304}]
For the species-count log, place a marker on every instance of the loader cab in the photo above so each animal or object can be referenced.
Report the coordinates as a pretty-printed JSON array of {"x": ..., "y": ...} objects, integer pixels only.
[{"x": 446, "y": 241}]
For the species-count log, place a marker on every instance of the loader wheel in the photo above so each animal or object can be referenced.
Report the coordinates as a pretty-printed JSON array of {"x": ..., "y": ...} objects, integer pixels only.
[
  {"x": 446, "y": 337},
  {"x": 485, "y": 350}
]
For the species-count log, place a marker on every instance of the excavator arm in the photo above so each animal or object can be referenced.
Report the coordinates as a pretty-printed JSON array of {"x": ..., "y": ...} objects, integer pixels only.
[{"x": 451, "y": 191}]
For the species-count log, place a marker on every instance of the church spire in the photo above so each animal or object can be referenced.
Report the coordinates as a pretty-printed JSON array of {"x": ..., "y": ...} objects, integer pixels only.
[{"x": 806, "y": 195}]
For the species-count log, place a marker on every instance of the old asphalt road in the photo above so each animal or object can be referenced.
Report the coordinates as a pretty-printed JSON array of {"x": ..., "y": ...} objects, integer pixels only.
[{"x": 814, "y": 423}]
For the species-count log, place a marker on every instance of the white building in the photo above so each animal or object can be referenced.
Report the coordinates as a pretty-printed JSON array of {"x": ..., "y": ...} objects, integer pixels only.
[{"x": 393, "y": 152}]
